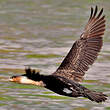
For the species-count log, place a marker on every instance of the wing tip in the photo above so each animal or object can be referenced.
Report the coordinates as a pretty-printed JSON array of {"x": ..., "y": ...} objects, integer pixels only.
[
  {"x": 94, "y": 12},
  {"x": 30, "y": 71}
]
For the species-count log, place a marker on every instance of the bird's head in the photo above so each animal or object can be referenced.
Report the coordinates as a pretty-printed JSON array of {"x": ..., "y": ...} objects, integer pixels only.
[{"x": 31, "y": 77}]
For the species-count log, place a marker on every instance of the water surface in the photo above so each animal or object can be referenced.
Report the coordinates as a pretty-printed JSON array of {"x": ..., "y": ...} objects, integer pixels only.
[{"x": 39, "y": 34}]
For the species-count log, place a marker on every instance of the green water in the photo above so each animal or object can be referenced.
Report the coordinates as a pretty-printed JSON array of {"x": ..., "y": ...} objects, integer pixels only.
[{"x": 39, "y": 33}]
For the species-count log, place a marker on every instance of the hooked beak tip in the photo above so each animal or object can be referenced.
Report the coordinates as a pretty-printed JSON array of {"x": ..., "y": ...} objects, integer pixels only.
[{"x": 10, "y": 79}]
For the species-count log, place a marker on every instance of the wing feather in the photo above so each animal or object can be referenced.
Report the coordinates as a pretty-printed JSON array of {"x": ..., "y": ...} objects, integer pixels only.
[{"x": 85, "y": 50}]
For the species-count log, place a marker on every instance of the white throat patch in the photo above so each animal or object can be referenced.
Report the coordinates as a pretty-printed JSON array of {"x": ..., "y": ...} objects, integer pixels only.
[{"x": 24, "y": 80}]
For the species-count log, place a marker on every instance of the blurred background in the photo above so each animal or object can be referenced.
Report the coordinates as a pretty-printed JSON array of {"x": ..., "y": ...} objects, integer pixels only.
[{"x": 39, "y": 33}]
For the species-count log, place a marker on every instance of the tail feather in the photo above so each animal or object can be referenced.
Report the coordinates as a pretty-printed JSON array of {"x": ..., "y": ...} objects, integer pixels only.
[{"x": 95, "y": 96}]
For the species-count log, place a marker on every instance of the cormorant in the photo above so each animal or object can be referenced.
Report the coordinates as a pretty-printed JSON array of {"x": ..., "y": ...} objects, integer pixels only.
[{"x": 83, "y": 53}]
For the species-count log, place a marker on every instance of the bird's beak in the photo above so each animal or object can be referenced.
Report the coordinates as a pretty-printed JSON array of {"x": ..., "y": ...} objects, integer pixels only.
[{"x": 10, "y": 79}]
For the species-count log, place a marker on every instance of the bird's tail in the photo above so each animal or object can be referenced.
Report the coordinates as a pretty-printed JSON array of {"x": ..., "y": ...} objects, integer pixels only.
[{"x": 95, "y": 96}]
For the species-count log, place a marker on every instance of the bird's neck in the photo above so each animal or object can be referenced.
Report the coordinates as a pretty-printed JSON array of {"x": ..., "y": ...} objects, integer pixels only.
[{"x": 38, "y": 79}]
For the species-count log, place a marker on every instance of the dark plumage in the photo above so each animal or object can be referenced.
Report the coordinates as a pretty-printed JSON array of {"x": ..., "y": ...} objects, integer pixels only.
[
  {"x": 83, "y": 53},
  {"x": 85, "y": 50}
]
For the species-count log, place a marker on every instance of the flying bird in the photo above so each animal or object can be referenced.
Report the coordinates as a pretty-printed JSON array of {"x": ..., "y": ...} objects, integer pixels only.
[{"x": 65, "y": 80}]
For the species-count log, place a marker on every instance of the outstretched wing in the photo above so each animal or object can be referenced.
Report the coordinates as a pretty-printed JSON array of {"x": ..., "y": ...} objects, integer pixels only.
[{"x": 85, "y": 50}]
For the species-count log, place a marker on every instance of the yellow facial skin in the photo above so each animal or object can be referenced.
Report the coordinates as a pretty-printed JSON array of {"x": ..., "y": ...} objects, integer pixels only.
[
  {"x": 15, "y": 79},
  {"x": 25, "y": 80}
]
